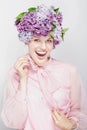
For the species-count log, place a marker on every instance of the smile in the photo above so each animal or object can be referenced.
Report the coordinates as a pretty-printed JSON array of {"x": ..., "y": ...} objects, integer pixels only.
[{"x": 41, "y": 53}]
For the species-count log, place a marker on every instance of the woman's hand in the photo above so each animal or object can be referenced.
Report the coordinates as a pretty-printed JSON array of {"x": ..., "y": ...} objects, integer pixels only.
[
  {"x": 22, "y": 66},
  {"x": 62, "y": 122}
]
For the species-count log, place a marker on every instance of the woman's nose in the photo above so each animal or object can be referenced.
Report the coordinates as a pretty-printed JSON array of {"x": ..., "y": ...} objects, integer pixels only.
[{"x": 43, "y": 46}]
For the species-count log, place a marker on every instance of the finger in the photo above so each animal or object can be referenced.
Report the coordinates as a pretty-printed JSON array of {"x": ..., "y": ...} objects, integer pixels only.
[
  {"x": 18, "y": 64},
  {"x": 23, "y": 66},
  {"x": 59, "y": 112},
  {"x": 23, "y": 57},
  {"x": 54, "y": 118},
  {"x": 57, "y": 115},
  {"x": 21, "y": 60}
]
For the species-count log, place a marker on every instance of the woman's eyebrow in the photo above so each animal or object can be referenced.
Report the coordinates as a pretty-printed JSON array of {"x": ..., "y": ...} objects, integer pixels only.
[{"x": 49, "y": 38}]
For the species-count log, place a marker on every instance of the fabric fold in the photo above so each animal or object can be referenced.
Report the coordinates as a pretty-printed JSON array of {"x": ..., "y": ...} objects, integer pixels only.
[{"x": 55, "y": 86}]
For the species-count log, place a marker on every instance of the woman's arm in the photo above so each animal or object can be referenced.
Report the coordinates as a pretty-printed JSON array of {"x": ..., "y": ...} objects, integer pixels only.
[
  {"x": 59, "y": 118},
  {"x": 75, "y": 95},
  {"x": 14, "y": 111}
]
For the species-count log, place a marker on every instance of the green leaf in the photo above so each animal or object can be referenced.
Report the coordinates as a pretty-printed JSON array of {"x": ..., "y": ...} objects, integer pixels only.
[
  {"x": 63, "y": 32},
  {"x": 18, "y": 21},
  {"x": 31, "y": 9},
  {"x": 51, "y": 34},
  {"x": 63, "y": 36},
  {"x": 20, "y": 15},
  {"x": 56, "y": 10},
  {"x": 54, "y": 26}
]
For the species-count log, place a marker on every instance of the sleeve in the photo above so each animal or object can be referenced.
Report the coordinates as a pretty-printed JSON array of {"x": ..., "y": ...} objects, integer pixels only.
[
  {"x": 78, "y": 110},
  {"x": 14, "y": 112}
]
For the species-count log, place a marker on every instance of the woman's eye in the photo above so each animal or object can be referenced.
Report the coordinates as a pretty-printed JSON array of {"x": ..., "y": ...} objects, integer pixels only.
[
  {"x": 49, "y": 41},
  {"x": 36, "y": 40}
]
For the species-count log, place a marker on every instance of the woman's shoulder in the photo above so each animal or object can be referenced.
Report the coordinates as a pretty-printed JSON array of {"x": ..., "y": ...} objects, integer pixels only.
[{"x": 64, "y": 65}]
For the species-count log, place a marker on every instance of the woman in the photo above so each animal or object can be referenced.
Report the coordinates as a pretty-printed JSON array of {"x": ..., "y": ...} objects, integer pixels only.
[{"x": 43, "y": 93}]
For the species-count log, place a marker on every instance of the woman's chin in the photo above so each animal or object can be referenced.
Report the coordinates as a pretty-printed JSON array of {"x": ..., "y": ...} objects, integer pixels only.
[{"x": 41, "y": 62}]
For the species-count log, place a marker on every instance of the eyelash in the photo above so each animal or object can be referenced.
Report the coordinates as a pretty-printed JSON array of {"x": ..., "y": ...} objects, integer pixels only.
[
  {"x": 36, "y": 40},
  {"x": 49, "y": 40}
]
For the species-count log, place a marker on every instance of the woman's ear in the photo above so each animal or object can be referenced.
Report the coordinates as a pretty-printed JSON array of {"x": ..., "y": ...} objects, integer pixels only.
[
  {"x": 26, "y": 43},
  {"x": 53, "y": 46}
]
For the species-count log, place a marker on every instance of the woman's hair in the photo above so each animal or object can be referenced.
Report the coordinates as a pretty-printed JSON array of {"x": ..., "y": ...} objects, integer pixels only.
[{"x": 40, "y": 21}]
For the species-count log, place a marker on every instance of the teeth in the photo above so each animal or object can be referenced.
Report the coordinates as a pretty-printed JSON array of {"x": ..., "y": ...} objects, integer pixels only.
[{"x": 41, "y": 53}]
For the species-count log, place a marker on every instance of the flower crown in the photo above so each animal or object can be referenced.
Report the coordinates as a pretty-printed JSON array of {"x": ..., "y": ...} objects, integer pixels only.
[{"x": 40, "y": 21}]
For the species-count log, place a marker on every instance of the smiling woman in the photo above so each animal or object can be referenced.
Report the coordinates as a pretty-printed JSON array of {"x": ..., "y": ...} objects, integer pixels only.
[
  {"x": 43, "y": 93},
  {"x": 40, "y": 48}
]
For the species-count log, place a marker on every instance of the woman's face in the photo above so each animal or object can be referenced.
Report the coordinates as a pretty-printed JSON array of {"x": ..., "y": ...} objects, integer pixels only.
[{"x": 40, "y": 48}]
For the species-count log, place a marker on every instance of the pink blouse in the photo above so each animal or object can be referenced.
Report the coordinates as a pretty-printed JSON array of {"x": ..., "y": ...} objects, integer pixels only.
[{"x": 56, "y": 85}]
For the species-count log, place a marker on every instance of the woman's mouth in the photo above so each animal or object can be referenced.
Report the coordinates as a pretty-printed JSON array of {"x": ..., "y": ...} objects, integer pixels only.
[{"x": 41, "y": 54}]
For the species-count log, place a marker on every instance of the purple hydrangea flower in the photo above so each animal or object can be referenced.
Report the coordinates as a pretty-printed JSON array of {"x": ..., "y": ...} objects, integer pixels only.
[
  {"x": 25, "y": 36},
  {"x": 59, "y": 17},
  {"x": 41, "y": 21}
]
